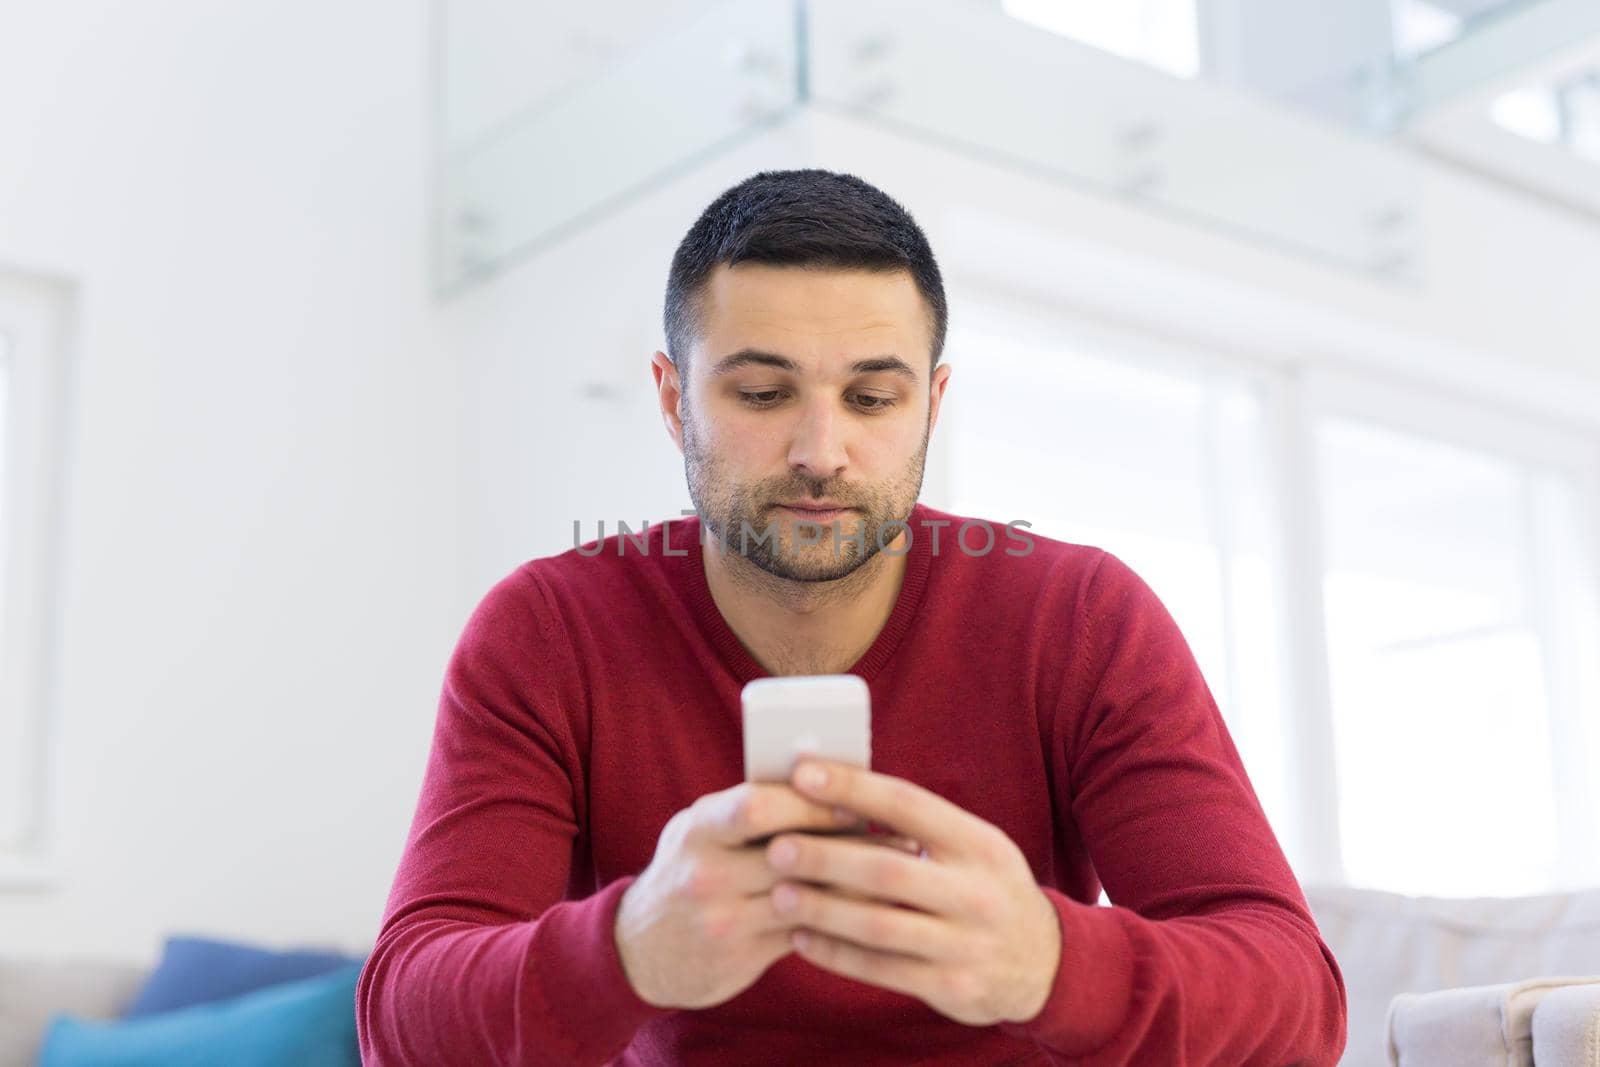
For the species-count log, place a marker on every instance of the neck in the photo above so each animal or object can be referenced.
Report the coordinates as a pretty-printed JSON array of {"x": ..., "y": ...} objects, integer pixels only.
[{"x": 793, "y": 627}]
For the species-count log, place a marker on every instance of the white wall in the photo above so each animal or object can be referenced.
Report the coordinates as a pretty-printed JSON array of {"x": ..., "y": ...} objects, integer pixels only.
[{"x": 260, "y": 590}]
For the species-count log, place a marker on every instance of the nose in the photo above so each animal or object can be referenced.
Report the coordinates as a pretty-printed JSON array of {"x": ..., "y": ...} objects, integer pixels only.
[{"x": 818, "y": 447}]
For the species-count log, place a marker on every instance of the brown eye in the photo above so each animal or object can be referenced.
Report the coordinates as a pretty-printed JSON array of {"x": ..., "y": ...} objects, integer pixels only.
[
  {"x": 873, "y": 403},
  {"x": 764, "y": 398}
]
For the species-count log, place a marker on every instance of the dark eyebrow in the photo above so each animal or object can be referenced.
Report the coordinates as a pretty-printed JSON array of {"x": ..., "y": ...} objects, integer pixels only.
[
  {"x": 892, "y": 364},
  {"x": 752, "y": 356},
  {"x": 746, "y": 357}
]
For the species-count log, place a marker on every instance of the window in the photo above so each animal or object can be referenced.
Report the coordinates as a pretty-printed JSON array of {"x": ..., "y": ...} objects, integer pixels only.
[
  {"x": 1394, "y": 597},
  {"x": 1159, "y": 459},
  {"x": 1456, "y": 590},
  {"x": 33, "y": 317},
  {"x": 1566, "y": 113},
  {"x": 1160, "y": 33},
  {"x": 1420, "y": 27}
]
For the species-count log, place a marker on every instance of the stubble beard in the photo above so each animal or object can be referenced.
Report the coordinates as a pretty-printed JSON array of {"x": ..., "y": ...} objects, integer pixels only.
[{"x": 747, "y": 525}]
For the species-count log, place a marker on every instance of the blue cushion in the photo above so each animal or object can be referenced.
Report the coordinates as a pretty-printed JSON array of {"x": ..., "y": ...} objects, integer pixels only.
[
  {"x": 197, "y": 970},
  {"x": 310, "y": 1022}
]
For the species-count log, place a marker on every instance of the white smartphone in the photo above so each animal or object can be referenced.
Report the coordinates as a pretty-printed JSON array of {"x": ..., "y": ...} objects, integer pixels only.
[{"x": 825, "y": 715}]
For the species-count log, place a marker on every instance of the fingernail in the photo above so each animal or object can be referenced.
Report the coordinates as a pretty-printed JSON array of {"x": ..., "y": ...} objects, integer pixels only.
[
  {"x": 783, "y": 853},
  {"x": 785, "y": 897},
  {"x": 844, "y": 816},
  {"x": 812, "y": 776}
]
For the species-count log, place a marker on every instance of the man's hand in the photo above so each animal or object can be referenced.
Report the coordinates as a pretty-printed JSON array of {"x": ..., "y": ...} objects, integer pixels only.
[
  {"x": 697, "y": 927},
  {"x": 965, "y": 928}
]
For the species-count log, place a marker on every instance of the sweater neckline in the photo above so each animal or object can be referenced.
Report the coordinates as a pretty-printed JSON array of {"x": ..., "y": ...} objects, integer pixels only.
[{"x": 744, "y": 666}]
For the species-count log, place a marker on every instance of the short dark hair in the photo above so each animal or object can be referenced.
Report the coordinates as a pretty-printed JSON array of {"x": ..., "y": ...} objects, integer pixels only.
[{"x": 801, "y": 218}]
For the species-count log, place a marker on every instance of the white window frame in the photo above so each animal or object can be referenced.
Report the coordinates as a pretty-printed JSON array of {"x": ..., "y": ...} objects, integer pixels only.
[
  {"x": 1479, "y": 401},
  {"x": 1311, "y": 837},
  {"x": 1527, "y": 438},
  {"x": 36, "y": 314}
]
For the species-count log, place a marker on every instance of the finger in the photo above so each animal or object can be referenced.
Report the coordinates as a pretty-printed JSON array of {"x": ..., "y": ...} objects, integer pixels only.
[
  {"x": 870, "y": 923},
  {"x": 767, "y": 927},
  {"x": 899, "y": 842},
  {"x": 862, "y": 835},
  {"x": 749, "y": 873},
  {"x": 846, "y": 824},
  {"x": 944, "y": 828},
  {"x": 765, "y": 945},
  {"x": 884, "y": 873},
  {"x": 886, "y": 970},
  {"x": 751, "y": 811}
]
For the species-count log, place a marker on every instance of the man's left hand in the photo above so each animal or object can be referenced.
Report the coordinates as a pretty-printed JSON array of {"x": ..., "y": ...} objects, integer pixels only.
[{"x": 963, "y": 927}]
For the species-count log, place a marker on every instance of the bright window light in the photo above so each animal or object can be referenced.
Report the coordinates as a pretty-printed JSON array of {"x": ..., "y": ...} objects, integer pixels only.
[
  {"x": 1566, "y": 113},
  {"x": 1534, "y": 113},
  {"x": 1161, "y": 465},
  {"x": 1439, "y": 664},
  {"x": 1421, "y": 27},
  {"x": 1161, "y": 33},
  {"x": 1459, "y": 623}
]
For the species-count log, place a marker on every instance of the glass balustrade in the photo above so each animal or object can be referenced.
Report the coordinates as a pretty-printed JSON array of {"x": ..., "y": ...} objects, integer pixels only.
[{"x": 1247, "y": 116}]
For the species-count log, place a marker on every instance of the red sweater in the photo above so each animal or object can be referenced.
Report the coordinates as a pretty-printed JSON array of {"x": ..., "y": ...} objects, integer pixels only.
[{"x": 593, "y": 696}]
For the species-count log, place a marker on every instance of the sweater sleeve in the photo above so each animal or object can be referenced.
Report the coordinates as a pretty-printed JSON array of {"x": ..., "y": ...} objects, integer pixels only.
[
  {"x": 479, "y": 959},
  {"x": 1209, "y": 953}
]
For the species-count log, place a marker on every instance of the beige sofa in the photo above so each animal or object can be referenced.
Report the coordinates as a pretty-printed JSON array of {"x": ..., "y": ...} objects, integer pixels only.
[
  {"x": 32, "y": 991},
  {"x": 1484, "y": 981},
  {"x": 1431, "y": 981}
]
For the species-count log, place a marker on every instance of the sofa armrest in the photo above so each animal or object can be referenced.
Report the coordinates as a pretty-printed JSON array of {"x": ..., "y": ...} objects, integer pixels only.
[
  {"x": 1566, "y": 1027},
  {"x": 1472, "y": 1025},
  {"x": 32, "y": 991}
]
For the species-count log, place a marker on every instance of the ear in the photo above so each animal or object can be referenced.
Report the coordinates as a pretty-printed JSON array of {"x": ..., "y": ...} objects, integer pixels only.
[
  {"x": 941, "y": 378},
  {"x": 669, "y": 394}
]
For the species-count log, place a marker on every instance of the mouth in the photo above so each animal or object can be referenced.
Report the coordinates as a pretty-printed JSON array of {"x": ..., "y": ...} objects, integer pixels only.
[{"x": 814, "y": 512}]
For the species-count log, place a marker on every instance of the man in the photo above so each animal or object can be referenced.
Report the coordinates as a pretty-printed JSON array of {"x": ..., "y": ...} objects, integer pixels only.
[{"x": 588, "y": 880}]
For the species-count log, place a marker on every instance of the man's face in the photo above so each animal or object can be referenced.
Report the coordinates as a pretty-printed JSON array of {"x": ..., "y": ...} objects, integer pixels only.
[{"x": 807, "y": 388}]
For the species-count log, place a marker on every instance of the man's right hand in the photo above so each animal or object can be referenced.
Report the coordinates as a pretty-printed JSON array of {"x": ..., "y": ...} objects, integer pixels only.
[{"x": 697, "y": 927}]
